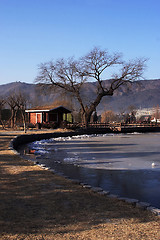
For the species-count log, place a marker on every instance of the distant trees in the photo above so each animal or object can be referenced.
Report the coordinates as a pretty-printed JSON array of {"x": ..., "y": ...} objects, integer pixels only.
[
  {"x": 70, "y": 76},
  {"x": 132, "y": 109},
  {"x": 17, "y": 103},
  {"x": 21, "y": 105},
  {"x": 108, "y": 116},
  {"x": 130, "y": 117},
  {"x": 12, "y": 102},
  {"x": 2, "y": 102}
]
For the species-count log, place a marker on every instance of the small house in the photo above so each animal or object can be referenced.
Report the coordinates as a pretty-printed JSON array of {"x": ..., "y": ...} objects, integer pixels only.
[
  {"x": 155, "y": 120},
  {"x": 48, "y": 114}
]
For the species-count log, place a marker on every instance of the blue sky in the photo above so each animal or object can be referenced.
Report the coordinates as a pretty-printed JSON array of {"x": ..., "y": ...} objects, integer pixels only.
[{"x": 36, "y": 31}]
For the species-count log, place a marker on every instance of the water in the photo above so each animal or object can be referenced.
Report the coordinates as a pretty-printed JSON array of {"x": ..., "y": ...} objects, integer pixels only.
[{"x": 124, "y": 164}]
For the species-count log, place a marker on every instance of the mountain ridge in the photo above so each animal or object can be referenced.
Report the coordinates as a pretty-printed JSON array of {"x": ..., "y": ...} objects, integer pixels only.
[{"x": 142, "y": 94}]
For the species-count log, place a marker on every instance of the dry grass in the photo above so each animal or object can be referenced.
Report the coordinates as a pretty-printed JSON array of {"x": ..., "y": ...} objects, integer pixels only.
[{"x": 36, "y": 204}]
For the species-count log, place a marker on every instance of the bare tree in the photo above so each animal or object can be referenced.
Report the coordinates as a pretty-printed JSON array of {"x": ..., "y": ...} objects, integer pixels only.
[
  {"x": 71, "y": 75},
  {"x": 108, "y": 116},
  {"x": 132, "y": 109},
  {"x": 21, "y": 101},
  {"x": 17, "y": 101},
  {"x": 12, "y": 102},
  {"x": 2, "y": 102}
]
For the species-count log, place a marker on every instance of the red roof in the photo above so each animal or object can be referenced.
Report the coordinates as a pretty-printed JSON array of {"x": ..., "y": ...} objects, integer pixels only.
[{"x": 47, "y": 109}]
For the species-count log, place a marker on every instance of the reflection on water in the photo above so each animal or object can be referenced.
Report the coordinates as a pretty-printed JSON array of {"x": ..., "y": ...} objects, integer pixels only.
[{"x": 122, "y": 164}]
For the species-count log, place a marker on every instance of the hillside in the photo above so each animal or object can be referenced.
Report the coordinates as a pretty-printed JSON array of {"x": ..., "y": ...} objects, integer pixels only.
[{"x": 142, "y": 94}]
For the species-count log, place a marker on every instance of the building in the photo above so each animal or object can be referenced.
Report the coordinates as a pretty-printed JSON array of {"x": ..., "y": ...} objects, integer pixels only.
[
  {"x": 148, "y": 115},
  {"x": 48, "y": 114},
  {"x": 144, "y": 111}
]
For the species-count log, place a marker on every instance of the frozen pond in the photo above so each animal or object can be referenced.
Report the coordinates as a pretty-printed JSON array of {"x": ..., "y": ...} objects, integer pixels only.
[{"x": 124, "y": 164}]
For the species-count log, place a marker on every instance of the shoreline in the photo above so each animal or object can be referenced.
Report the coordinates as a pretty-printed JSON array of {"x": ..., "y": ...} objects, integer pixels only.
[{"x": 38, "y": 204}]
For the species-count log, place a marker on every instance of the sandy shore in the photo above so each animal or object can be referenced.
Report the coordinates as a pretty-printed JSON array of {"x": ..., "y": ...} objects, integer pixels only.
[{"x": 37, "y": 204}]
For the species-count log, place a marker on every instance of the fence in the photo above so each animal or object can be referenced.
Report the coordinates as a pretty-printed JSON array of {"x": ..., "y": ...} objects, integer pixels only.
[{"x": 116, "y": 126}]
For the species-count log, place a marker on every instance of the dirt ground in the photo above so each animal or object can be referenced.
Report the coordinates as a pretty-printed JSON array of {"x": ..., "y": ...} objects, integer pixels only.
[{"x": 37, "y": 204}]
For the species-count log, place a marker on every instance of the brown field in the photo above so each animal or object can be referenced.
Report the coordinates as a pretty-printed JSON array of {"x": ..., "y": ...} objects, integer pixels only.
[{"x": 37, "y": 204}]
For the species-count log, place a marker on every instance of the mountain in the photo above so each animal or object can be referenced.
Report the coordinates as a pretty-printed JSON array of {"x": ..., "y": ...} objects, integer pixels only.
[
  {"x": 33, "y": 92},
  {"x": 142, "y": 94}
]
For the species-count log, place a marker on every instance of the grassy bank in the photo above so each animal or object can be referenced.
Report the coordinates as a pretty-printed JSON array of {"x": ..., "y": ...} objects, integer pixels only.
[{"x": 37, "y": 204}]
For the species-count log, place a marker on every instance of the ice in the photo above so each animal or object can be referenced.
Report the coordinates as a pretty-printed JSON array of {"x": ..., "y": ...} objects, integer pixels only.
[
  {"x": 111, "y": 151},
  {"x": 105, "y": 151},
  {"x": 69, "y": 159},
  {"x": 41, "y": 152}
]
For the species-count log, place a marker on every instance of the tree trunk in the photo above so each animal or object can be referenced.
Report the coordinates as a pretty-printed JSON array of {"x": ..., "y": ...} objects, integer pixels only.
[
  {"x": 86, "y": 118},
  {"x": 12, "y": 118},
  {"x": 1, "y": 119},
  {"x": 24, "y": 120}
]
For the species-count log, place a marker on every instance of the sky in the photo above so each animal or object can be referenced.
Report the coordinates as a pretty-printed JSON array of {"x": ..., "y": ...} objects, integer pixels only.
[{"x": 37, "y": 31}]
